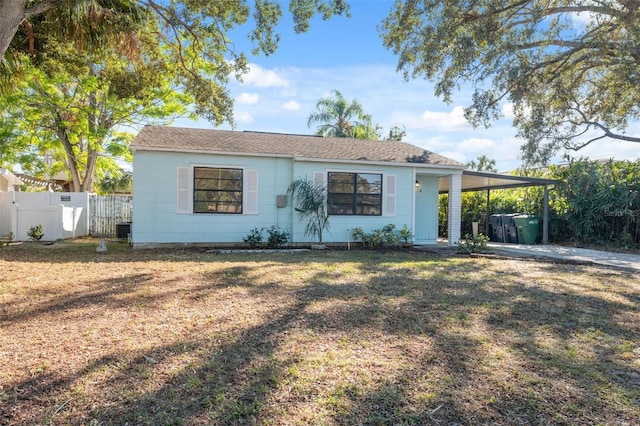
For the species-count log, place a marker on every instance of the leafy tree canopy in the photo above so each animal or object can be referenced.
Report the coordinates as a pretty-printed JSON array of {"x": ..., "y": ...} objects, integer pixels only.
[
  {"x": 193, "y": 33},
  {"x": 79, "y": 72},
  {"x": 570, "y": 68}
]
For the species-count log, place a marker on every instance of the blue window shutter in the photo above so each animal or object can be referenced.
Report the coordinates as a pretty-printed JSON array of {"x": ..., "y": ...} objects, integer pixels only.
[
  {"x": 251, "y": 192},
  {"x": 183, "y": 199},
  {"x": 389, "y": 195}
]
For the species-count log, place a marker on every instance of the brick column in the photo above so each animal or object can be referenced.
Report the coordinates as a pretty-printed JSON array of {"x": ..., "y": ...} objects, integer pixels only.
[{"x": 455, "y": 209}]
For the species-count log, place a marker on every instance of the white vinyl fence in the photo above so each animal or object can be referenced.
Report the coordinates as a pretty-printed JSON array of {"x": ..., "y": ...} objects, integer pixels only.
[
  {"x": 106, "y": 211},
  {"x": 61, "y": 214}
]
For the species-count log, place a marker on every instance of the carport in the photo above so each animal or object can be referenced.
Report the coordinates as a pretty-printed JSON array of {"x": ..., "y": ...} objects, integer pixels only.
[{"x": 486, "y": 181}]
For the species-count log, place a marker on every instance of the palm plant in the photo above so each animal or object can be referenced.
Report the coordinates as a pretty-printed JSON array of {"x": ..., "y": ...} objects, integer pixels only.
[
  {"x": 311, "y": 203},
  {"x": 338, "y": 118}
]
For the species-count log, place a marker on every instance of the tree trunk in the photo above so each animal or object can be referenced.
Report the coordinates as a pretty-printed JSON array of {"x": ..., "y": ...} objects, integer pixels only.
[{"x": 11, "y": 15}]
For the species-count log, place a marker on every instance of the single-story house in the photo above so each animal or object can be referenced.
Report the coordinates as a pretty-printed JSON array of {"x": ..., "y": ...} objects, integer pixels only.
[{"x": 212, "y": 187}]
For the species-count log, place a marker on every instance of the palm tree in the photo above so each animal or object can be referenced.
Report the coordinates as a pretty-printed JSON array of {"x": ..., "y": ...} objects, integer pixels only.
[
  {"x": 338, "y": 118},
  {"x": 311, "y": 199},
  {"x": 483, "y": 163}
]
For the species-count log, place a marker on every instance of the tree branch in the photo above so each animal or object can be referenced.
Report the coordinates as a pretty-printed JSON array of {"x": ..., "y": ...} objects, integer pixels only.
[{"x": 40, "y": 8}]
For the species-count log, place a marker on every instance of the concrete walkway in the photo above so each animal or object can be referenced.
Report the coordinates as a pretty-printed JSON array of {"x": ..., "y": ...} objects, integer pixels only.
[{"x": 617, "y": 260}]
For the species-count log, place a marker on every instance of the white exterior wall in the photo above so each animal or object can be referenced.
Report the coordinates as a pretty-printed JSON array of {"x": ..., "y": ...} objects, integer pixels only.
[{"x": 156, "y": 220}]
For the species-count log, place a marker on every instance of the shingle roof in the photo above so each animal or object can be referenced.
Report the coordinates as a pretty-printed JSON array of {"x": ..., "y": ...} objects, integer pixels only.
[{"x": 180, "y": 139}]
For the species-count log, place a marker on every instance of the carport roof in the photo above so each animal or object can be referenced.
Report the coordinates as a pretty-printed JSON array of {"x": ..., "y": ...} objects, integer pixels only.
[{"x": 478, "y": 181}]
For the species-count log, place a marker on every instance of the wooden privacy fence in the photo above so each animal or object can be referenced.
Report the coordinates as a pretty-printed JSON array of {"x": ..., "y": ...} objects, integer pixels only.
[{"x": 106, "y": 211}]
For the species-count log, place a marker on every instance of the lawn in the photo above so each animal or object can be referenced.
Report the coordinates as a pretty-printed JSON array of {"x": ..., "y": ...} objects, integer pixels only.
[{"x": 328, "y": 338}]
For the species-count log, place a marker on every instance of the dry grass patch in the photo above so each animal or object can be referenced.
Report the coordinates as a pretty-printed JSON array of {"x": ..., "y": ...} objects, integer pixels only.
[{"x": 185, "y": 337}]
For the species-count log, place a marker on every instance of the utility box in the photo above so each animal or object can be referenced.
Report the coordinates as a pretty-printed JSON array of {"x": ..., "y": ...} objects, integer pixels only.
[{"x": 123, "y": 230}]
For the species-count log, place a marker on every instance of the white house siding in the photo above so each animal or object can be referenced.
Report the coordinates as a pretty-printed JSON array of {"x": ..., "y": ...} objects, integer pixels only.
[{"x": 155, "y": 217}]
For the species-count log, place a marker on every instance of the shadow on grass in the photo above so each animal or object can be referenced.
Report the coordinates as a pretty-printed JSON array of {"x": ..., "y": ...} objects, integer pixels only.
[{"x": 448, "y": 377}]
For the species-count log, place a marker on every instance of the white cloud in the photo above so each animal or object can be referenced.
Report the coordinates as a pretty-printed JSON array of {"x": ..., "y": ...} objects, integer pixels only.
[
  {"x": 291, "y": 106},
  {"x": 445, "y": 121},
  {"x": 507, "y": 111},
  {"x": 477, "y": 145},
  {"x": 248, "y": 98},
  {"x": 260, "y": 77},
  {"x": 243, "y": 117},
  {"x": 455, "y": 155}
]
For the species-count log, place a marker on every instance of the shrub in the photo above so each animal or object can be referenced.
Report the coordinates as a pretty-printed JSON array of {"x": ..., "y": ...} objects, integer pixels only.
[
  {"x": 6, "y": 240},
  {"x": 253, "y": 238},
  {"x": 277, "y": 238},
  {"x": 470, "y": 244},
  {"x": 385, "y": 237},
  {"x": 36, "y": 233}
]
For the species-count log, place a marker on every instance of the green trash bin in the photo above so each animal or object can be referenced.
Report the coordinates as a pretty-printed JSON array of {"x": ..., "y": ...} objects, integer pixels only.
[{"x": 528, "y": 228}]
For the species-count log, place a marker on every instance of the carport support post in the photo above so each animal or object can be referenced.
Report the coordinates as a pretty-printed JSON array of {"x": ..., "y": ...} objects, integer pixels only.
[
  {"x": 486, "y": 219},
  {"x": 455, "y": 209},
  {"x": 545, "y": 216}
]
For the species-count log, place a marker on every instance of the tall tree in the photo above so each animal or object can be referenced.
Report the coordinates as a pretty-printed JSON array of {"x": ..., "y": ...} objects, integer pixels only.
[
  {"x": 337, "y": 117},
  {"x": 570, "y": 68},
  {"x": 193, "y": 32},
  {"x": 79, "y": 70},
  {"x": 396, "y": 133},
  {"x": 483, "y": 163},
  {"x": 67, "y": 114}
]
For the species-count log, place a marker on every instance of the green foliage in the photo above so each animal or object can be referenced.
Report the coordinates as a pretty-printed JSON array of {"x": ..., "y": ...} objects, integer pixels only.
[
  {"x": 311, "y": 206},
  {"x": 388, "y": 236},
  {"x": 483, "y": 163},
  {"x": 253, "y": 238},
  {"x": 570, "y": 83},
  {"x": 36, "y": 233},
  {"x": 113, "y": 182},
  {"x": 6, "y": 240},
  {"x": 470, "y": 244},
  {"x": 405, "y": 234},
  {"x": 602, "y": 201},
  {"x": 336, "y": 117},
  {"x": 277, "y": 238},
  {"x": 76, "y": 71}
]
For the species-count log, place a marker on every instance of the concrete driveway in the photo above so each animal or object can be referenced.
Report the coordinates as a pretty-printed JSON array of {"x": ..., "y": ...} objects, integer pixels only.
[{"x": 617, "y": 260}]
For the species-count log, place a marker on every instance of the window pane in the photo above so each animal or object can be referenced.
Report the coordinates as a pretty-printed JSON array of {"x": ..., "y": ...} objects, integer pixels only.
[
  {"x": 217, "y": 190},
  {"x": 354, "y": 193},
  {"x": 340, "y": 209},
  {"x": 369, "y": 184}
]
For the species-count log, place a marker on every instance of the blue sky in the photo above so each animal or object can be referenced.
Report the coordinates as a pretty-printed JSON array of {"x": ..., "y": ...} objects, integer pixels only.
[{"x": 347, "y": 55}]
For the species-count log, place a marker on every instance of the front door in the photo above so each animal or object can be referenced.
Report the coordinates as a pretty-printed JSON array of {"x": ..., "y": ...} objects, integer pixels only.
[{"x": 426, "y": 217}]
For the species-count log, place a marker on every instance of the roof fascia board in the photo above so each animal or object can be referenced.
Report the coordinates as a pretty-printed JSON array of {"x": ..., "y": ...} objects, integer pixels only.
[
  {"x": 202, "y": 151},
  {"x": 453, "y": 169},
  {"x": 533, "y": 180}
]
